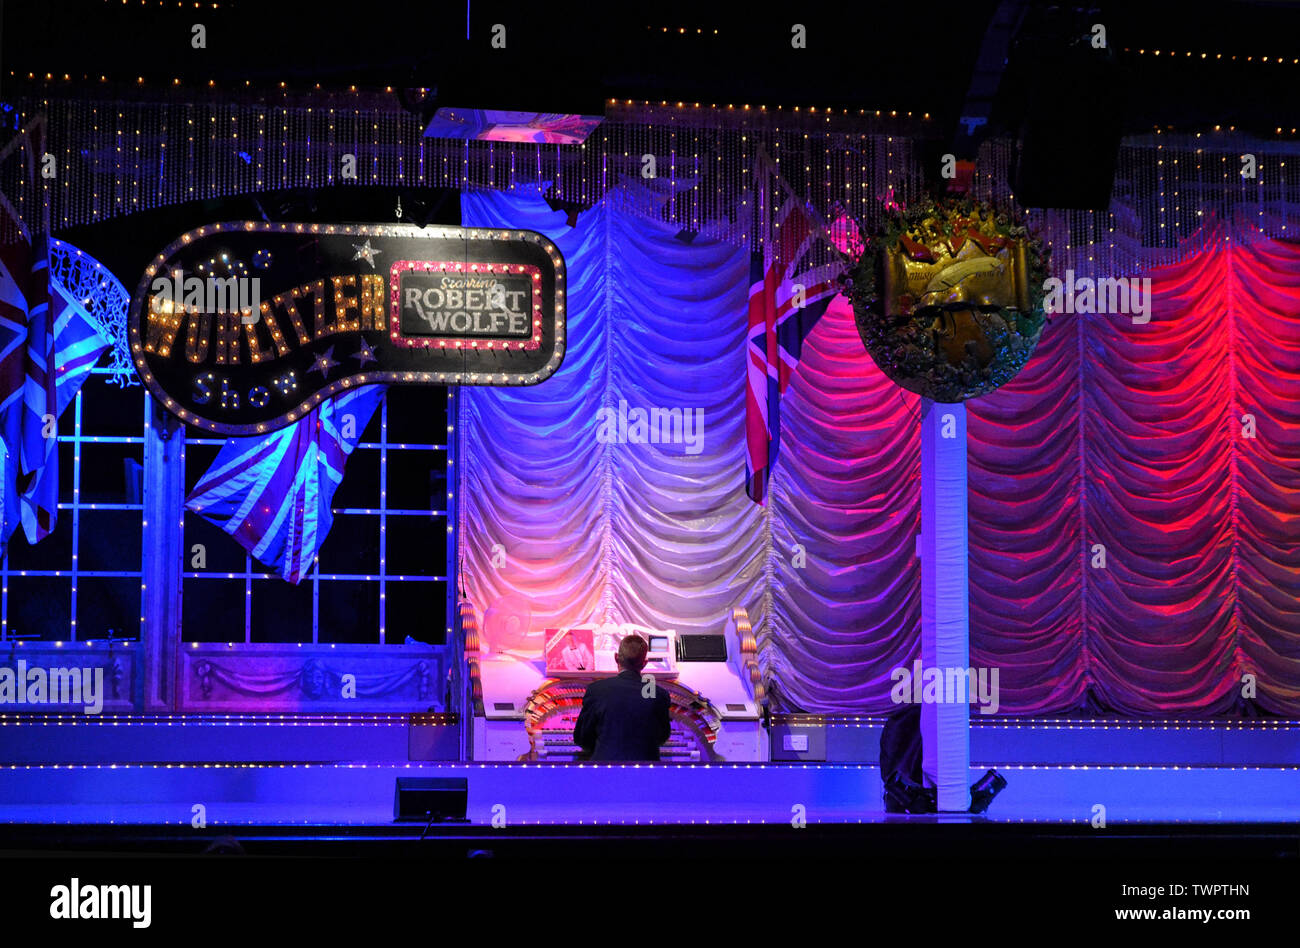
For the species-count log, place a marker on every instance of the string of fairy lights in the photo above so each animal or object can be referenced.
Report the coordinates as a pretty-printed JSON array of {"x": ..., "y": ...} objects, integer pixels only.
[
  {"x": 1169, "y": 185},
  {"x": 115, "y": 156}
]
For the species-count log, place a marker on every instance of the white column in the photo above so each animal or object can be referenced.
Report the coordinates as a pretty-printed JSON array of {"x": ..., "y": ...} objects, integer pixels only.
[
  {"x": 945, "y": 599},
  {"x": 164, "y": 554}
]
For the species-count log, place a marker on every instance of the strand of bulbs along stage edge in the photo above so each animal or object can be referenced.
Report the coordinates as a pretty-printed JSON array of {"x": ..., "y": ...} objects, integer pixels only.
[
  {"x": 229, "y": 719},
  {"x": 586, "y": 765},
  {"x": 435, "y": 718},
  {"x": 1053, "y": 724},
  {"x": 638, "y": 822}
]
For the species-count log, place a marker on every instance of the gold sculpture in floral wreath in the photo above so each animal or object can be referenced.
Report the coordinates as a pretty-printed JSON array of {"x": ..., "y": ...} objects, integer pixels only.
[{"x": 949, "y": 298}]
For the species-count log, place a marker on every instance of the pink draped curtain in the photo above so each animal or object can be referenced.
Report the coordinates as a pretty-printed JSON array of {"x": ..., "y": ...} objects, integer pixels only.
[{"x": 1172, "y": 449}]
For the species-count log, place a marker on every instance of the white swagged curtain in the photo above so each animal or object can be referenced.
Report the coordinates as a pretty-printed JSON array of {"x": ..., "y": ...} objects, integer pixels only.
[
  {"x": 644, "y": 533},
  {"x": 651, "y": 534}
]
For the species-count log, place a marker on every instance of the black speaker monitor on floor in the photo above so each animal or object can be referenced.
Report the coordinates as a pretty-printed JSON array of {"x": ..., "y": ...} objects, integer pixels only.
[{"x": 430, "y": 799}]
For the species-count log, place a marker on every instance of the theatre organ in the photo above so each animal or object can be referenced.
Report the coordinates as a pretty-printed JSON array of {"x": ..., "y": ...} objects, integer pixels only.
[{"x": 525, "y": 701}]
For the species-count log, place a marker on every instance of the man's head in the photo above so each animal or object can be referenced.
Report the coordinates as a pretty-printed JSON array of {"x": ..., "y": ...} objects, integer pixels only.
[
  {"x": 569, "y": 640},
  {"x": 631, "y": 653}
]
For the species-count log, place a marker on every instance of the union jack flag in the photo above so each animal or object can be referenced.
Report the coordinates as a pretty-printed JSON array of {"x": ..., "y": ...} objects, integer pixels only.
[
  {"x": 789, "y": 291},
  {"x": 48, "y": 346},
  {"x": 273, "y": 494}
]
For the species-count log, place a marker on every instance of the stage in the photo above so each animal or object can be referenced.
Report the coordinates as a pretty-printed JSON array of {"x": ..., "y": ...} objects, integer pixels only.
[
  {"x": 420, "y": 452},
  {"x": 137, "y": 777}
]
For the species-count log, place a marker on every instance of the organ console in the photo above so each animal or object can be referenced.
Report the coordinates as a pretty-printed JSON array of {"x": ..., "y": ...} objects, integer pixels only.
[
  {"x": 525, "y": 705},
  {"x": 552, "y": 712}
]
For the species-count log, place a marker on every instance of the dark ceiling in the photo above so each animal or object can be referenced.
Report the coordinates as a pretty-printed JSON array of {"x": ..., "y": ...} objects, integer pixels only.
[{"x": 573, "y": 56}]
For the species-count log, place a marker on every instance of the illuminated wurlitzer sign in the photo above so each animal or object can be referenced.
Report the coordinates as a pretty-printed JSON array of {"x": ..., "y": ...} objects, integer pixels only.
[{"x": 242, "y": 328}]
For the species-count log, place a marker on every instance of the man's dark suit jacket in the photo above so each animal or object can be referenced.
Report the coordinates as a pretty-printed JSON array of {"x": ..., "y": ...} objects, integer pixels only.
[{"x": 616, "y": 723}]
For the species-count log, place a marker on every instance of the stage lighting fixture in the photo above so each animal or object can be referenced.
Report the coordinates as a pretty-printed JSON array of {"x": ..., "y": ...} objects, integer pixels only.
[{"x": 983, "y": 791}]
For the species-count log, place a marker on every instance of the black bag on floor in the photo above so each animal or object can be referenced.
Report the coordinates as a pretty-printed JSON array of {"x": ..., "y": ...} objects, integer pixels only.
[{"x": 900, "y": 764}]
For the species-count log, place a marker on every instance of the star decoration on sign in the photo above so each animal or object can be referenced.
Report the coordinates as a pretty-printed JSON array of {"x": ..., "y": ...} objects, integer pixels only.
[
  {"x": 324, "y": 362},
  {"x": 365, "y": 353},
  {"x": 365, "y": 252}
]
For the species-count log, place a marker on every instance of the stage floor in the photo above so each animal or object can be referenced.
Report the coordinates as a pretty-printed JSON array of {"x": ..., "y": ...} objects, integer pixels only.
[{"x": 572, "y": 794}]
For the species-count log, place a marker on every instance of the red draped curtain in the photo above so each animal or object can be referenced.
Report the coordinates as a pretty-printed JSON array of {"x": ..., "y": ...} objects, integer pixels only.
[{"x": 1134, "y": 506}]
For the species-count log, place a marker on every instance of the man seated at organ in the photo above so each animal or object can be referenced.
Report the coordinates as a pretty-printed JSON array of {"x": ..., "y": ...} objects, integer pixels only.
[{"x": 624, "y": 718}]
